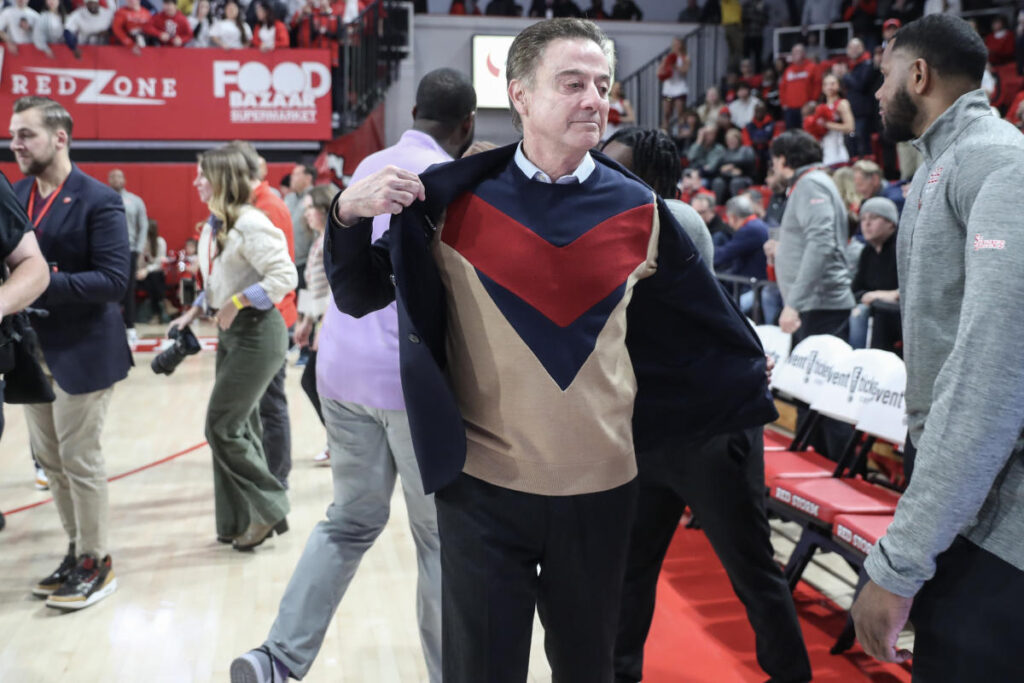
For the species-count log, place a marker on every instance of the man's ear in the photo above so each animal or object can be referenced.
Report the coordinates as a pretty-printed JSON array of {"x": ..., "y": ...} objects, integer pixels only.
[
  {"x": 919, "y": 80},
  {"x": 517, "y": 94}
]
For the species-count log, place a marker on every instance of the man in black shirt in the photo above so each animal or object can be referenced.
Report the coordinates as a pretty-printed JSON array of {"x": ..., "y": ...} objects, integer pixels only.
[{"x": 876, "y": 281}]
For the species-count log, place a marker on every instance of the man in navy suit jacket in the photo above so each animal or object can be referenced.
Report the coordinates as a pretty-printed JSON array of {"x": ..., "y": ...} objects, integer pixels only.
[
  {"x": 80, "y": 225},
  {"x": 553, "y": 318}
]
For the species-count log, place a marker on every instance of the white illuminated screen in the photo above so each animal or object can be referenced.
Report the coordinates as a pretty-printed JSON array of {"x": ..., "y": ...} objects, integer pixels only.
[{"x": 489, "y": 54}]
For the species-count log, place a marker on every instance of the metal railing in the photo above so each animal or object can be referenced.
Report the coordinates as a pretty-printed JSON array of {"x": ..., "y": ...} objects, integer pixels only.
[
  {"x": 643, "y": 89},
  {"x": 736, "y": 285},
  {"x": 369, "y": 51}
]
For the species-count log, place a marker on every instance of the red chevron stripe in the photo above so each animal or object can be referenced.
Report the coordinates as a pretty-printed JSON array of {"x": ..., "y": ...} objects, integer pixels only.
[{"x": 563, "y": 283}]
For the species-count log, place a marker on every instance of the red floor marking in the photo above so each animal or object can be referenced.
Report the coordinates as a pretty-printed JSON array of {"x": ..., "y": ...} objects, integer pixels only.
[{"x": 161, "y": 461}]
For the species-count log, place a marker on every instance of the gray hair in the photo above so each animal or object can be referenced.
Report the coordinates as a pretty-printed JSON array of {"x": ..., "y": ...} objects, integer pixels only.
[
  {"x": 740, "y": 206},
  {"x": 55, "y": 116},
  {"x": 527, "y": 48}
]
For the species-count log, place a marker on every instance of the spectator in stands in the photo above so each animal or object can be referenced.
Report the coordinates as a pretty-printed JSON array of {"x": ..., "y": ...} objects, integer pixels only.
[
  {"x": 16, "y": 24},
  {"x": 769, "y": 93},
  {"x": 777, "y": 204},
  {"x": 836, "y": 118},
  {"x": 687, "y": 131},
  {"x": 626, "y": 10},
  {"x": 49, "y": 27},
  {"x": 691, "y": 14},
  {"x": 464, "y": 7},
  {"x": 150, "y": 272},
  {"x": 1000, "y": 42},
  {"x": 862, "y": 15},
  {"x": 90, "y": 24},
  {"x": 138, "y": 227},
  {"x": 596, "y": 11},
  {"x": 810, "y": 264},
  {"x": 818, "y": 12},
  {"x": 952, "y": 558},
  {"x": 876, "y": 278},
  {"x": 867, "y": 178},
  {"x": 231, "y": 33},
  {"x": 889, "y": 28},
  {"x": 749, "y": 75},
  {"x": 253, "y": 271},
  {"x": 744, "y": 253},
  {"x": 942, "y": 7},
  {"x": 169, "y": 27},
  {"x": 799, "y": 85},
  {"x": 674, "y": 89},
  {"x": 303, "y": 177},
  {"x": 691, "y": 185},
  {"x": 503, "y": 8},
  {"x": 705, "y": 154},
  {"x": 201, "y": 21},
  {"x": 758, "y": 135},
  {"x": 620, "y": 110},
  {"x": 128, "y": 27},
  {"x": 731, "y": 18},
  {"x": 548, "y": 9},
  {"x": 704, "y": 204},
  {"x": 270, "y": 33},
  {"x": 735, "y": 168},
  {"x": 843, "y": 178},
  {"x": 723, "y": 124},
  {"x": 860, "y": 80},
  {"x": 741, "y": 109},
  {"x": 708, "y": 109}
]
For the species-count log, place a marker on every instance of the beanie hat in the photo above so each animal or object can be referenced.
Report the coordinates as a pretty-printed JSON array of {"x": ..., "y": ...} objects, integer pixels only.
[{"x": 880, "y": 206}]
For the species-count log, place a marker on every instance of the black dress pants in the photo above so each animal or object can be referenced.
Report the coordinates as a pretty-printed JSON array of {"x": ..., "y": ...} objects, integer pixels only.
[
  {"x": 722, "y": 480},
  {"x": 968, "y": 620},
  {"x": 829, "y": 437},
  {"x": 493, "y": 541}
]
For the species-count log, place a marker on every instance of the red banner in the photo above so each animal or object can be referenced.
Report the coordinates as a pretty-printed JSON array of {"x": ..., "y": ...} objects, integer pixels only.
[{"x": 179, "y": 93}]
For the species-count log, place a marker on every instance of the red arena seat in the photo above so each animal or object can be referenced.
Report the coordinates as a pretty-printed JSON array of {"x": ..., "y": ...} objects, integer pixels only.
[
  {"x": 819, "y": 501},
  {"x": 859, "y": 533}
]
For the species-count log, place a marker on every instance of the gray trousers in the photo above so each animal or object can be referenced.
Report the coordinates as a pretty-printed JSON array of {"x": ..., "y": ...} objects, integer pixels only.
[
  {"x": 65, "y": 438},
  {"x": 277, "y": 428},
  {"x": 369, "y": 447}
]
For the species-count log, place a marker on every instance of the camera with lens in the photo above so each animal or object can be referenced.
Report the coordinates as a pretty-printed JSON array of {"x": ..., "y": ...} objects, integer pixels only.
[{"x": 185, "y": 344}]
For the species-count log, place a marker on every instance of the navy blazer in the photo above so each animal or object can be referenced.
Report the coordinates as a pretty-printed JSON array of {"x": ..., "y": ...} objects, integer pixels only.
[
  {"x": 699, "y": 366},
  {"x": 85, "y": 236}
]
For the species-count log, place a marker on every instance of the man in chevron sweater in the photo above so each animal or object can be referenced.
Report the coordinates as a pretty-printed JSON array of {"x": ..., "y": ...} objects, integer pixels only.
[{"x": 553, "y": 319}]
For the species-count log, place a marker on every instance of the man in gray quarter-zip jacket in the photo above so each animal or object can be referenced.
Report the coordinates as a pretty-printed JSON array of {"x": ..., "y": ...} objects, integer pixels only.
[{"x": 953, "y": 558}]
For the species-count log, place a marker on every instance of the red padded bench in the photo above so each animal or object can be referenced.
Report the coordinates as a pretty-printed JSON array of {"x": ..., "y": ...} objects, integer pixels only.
[{"x": 860, "y": 533}]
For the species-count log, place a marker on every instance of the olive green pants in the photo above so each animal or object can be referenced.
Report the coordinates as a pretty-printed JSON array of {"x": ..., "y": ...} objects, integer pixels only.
[{"x": 249, "y": 353}]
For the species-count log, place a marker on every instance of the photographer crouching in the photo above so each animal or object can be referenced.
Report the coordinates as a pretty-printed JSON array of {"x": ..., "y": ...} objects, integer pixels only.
[{"x": 245, "y": 269}]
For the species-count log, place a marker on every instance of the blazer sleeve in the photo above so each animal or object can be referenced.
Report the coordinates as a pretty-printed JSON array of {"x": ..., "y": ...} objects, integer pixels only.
[
  {"x": 266, "y": 250},
  {"x": 360, "y": 272},
  {"x": 107, "y": 277}
]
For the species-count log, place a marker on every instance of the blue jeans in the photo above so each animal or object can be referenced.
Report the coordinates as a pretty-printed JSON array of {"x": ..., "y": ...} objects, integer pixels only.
[
  {"x": 860, "y": 318},
  {"x": 369, "y": 449}
]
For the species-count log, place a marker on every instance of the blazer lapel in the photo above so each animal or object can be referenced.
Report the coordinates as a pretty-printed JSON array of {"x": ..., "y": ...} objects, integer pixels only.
[{"x": 54, "y": 221}]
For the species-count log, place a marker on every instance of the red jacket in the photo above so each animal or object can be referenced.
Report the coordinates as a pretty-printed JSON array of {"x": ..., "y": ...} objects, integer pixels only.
[
  {"x": 126, "y": 24},
  {"x": 176, "y": 27},
  {"x": 272, "y": 205},
  {"x": 280, "y": 35},
  {"x": 1000, "y": 48},
  {"x": 799, "y": 84}
]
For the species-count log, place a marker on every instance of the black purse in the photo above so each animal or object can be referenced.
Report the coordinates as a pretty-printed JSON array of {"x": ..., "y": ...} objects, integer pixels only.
[{"x": 19, "y": 363}]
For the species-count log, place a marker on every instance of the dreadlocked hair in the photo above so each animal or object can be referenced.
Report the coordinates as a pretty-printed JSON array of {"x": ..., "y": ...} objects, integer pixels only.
[
  {"x": 655, "y": 159},
  {"x": 228, "y": 173}
]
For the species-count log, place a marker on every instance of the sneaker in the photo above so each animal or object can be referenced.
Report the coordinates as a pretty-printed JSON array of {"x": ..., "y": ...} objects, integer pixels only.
[
  {"x": 42, "y": 481},
  {"x": 258, "y": 666},
  {"x": 90, "y": 581},
  {"x": 51, "y": 583},
  {"x": 323, "y": 457}
]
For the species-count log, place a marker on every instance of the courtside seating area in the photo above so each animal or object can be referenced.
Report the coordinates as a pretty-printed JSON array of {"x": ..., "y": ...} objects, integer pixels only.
[{"x": 837, "y": 509}]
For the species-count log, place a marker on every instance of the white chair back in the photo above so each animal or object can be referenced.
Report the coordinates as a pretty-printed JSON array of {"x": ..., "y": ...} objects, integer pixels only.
[
  {"x": 884, "y": 411},
  {"x": 807, "y": 367},
  {"x": 852, "y": 381},
  {"x": 776, "y": 343}
]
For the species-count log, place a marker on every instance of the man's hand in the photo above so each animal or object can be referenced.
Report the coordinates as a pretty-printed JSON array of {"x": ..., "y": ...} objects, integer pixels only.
[
  {"x": 302, "y": 331},
  {"x": 770, "y": 246},
  {"x": 888, "y": 296},
  {"x": 769, "y": 365},
  {"x": 879, "y": 617},
  {"x": 789, "y": 320},
  {"x": 389, "y": 190}
]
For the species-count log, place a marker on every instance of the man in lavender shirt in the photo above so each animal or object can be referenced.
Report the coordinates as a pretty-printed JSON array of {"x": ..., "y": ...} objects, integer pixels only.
[{"x": 367, "y": 431}]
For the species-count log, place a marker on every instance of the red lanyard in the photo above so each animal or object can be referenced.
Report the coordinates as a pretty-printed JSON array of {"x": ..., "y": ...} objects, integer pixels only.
[
  {"x": 799, "y": 178},
  {"x": 46, "y": 207}
]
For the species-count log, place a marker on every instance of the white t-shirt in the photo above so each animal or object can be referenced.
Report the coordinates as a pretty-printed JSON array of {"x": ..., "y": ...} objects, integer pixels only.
[
  {"x": 268, "y": 35},
  {"x": 10, "y": 23},
  {"x": 742, "y": 112},
  {"x": 226, "y": 31},
  {"x": 91, "y": 29}
]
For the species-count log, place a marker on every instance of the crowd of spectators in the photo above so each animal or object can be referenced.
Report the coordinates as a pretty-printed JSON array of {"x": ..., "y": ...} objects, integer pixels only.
[{"x": 138, "y": 24}]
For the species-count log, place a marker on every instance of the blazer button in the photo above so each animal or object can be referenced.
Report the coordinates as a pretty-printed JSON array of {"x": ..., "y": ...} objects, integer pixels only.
[{"x": 414, "y": 339}]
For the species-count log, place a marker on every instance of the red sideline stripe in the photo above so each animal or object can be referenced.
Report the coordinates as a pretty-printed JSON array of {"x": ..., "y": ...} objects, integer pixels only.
[{"x": 161, "y": 461}]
